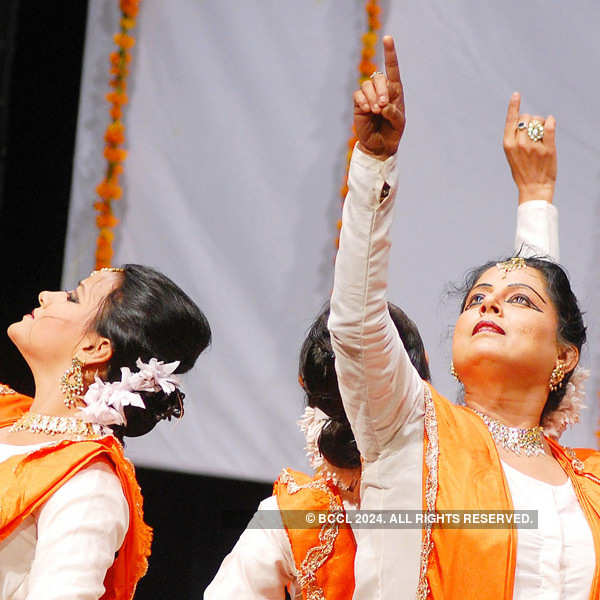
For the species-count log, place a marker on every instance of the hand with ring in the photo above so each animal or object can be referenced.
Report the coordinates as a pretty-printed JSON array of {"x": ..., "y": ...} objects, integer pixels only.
[
  {"x": 379, "y": 108},
  {"x": 529, "y": 144}
]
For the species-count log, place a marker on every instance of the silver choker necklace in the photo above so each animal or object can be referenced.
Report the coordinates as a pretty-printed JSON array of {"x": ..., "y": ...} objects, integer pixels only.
[{"x": 528, "y": 441}]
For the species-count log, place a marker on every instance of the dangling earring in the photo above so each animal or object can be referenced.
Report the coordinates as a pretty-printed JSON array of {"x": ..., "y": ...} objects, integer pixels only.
[
  {"x": 453, "y": 372},
  {"x": 71, "y": 383},
  {"x": 557, "y": 376}
]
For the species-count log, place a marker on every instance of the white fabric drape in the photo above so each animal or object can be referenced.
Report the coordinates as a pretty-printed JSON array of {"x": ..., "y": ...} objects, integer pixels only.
[{"x": 237, "y": 130}]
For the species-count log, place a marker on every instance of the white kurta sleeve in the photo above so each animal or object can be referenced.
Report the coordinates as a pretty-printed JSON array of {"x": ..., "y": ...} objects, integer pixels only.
[
  {"x": 383, "y": 394},
  {"x": 79, "y": 530},
  {"x": 380, "y": 388},
  {"x": 261, "y": 564},
  {"x": 537, "y": 230}
]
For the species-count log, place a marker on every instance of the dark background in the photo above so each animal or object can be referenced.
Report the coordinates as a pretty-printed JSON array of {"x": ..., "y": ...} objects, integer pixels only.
[{"x": 41, "y": 49}]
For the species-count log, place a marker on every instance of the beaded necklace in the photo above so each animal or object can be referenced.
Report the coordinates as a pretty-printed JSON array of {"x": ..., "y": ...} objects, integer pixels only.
[{"x": 53, "y": 425}]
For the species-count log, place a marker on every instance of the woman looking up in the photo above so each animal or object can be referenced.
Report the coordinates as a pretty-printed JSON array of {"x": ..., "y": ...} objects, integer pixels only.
[
  {"x": 103, "y": 357},
  {"x": 270, "y": 554},
  {"x": 516, "y": 344}
]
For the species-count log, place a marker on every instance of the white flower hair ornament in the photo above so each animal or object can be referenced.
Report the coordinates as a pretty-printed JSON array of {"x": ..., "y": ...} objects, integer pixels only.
[
  {"x": 311, "y": 424},
  {"x": 570, "y": 406},
  {"x": 105, "y": 402}
]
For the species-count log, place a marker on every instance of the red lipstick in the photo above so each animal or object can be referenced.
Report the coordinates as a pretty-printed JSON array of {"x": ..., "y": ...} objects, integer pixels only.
[{"x": 488, "y": 326}]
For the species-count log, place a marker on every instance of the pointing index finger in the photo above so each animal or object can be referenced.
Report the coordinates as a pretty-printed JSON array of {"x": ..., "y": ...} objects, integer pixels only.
[
  {"x": 391, "y": 60},
  {"x": 512, "y": 115}
]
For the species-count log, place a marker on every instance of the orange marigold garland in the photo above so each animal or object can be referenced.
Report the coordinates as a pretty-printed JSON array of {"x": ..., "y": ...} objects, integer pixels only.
[
  {"x": 366, "y": 68},
  {"x": 109, "y": 189}
]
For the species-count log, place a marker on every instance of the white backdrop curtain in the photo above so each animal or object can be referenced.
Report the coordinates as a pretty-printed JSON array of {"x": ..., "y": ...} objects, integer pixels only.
[{"x": 237, "y": 126}]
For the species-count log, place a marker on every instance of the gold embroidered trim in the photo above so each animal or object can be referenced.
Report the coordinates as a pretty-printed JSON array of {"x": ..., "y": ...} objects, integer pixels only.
[
  {"x": 317, "y": 555},
  {"x": 431, "y": 489},
  {"x": 5, "y": 390}
]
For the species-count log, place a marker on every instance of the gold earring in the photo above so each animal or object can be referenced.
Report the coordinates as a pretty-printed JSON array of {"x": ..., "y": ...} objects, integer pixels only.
[
  {"x": 557, "y": 376},
  {"x": 71, "y": 383},
  {"x": 453, "y": 372}
]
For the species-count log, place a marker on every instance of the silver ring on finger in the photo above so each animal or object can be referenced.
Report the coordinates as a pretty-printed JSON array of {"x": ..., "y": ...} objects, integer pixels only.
[
  {"x": 535, "y": 131},
  {"x": 521, "y": 125},
  {"x": 375, "y": 73}
]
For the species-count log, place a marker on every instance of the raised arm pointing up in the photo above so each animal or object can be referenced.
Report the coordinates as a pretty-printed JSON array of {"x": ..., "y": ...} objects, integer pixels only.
[{"x": 379, "y": 115}]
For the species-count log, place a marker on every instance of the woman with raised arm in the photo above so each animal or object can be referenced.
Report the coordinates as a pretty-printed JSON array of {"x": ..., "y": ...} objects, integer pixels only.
[
  {"x": 271, "y": 554},
  {"x": 516, "y": 345},
  {"x": 104, "y": 358}
]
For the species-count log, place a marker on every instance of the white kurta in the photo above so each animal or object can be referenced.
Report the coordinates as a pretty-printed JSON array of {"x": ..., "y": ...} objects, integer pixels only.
[
  {"x": 63, "y": 550},
  {"x": 383, "y": 394},
  {"x": 537, "y": 230}
]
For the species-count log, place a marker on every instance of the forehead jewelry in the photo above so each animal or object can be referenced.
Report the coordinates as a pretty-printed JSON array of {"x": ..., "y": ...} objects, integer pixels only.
[
  {"x": 108, "y": 270},
  {"x": 517, "y": 262},
  {"x": 528, "y": 441}
]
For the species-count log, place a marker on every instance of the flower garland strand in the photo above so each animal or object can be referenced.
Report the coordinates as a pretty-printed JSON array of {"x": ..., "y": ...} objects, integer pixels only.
[
  {"x": 109, "y": 189},
  {"x": 366, "y": 68}
]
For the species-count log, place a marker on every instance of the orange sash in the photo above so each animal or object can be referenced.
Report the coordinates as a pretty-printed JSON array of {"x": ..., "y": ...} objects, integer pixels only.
[
  {"x": 28, "y": 480},
  {"x": 468, "y": 563},
  {"x": 324, "y": 556}
]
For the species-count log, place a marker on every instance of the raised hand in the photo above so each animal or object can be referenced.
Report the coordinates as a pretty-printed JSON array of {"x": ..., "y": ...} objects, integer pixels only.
[
  {"x": 532, "y": 163},
  {"x": 379, "y": 117}
]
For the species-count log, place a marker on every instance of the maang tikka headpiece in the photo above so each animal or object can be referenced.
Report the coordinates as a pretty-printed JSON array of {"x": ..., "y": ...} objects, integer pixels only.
[
  {"x": 108, "y": 270},
  {"x": 512, "y": 264}
]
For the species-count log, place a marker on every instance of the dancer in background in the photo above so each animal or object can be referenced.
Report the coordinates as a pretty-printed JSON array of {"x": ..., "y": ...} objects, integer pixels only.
[
  {"x": 271, "y": 555},
  {"x": 516, "y": 346},
  {"x": 104, "y": 358}
]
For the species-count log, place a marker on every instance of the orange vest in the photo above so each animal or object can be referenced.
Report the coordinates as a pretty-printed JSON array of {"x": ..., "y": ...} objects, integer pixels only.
[
  {"x": 324, "y": 556},
  {"x": 462, "y": 470},
  {"x": 28, "y": 480}
]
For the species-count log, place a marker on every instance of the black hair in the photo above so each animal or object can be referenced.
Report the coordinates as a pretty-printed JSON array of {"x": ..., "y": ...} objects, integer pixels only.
[
  {"x": 148, "y": 316},
  {"x": 571, "y": 328},
  {"x": 318, "y": 378}
]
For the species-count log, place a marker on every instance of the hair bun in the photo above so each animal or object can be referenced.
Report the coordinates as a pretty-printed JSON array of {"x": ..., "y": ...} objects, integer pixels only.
[
  {"x": 159, "y": 406},
  {"x": 148, "y": 316},
  {"x": 337, "y": 444}
]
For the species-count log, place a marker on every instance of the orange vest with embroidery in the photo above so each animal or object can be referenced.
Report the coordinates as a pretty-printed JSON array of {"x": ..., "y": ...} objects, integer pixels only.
[
  {"x": 28, "y": 480},
  {"x": 324, "y": 556},
  {"x": 462, "y": 470}
]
